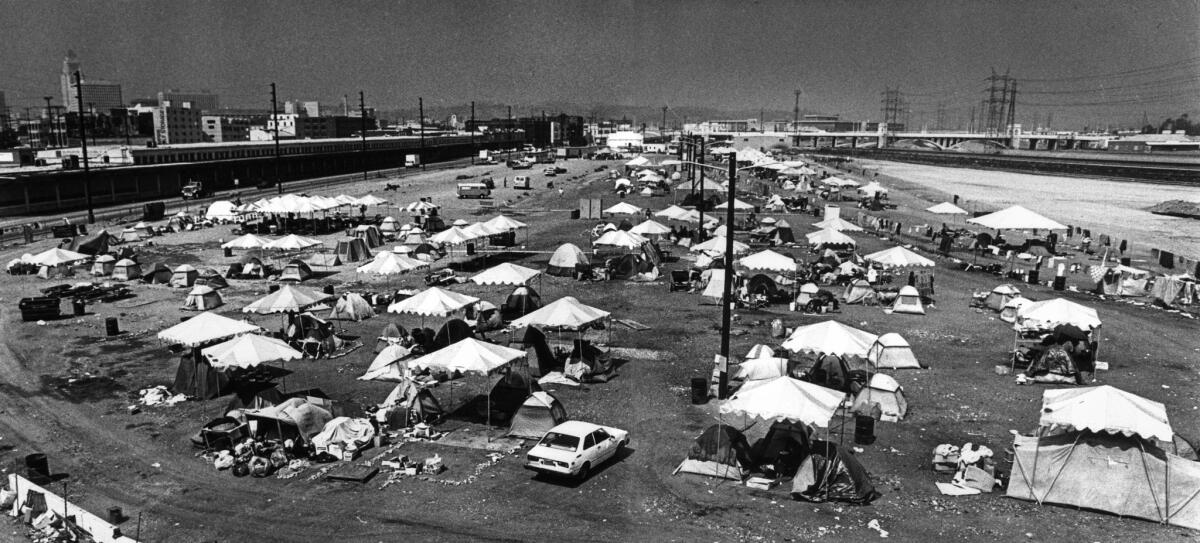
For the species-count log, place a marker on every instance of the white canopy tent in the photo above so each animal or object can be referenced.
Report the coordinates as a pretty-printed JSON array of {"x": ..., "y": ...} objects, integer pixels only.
[
  {"x": 831, "y": 338},
  {"x": 433, "y": 302},
  {"x": 505, "y": 274},
  {"x": 205, "y": 328},
  {"x": 947, "y": 208},
  {"x": 1017, "y": 218},
  {"x": 248, "y": 351},
  {"x": 784, "y": 398},
  {"x": 768, "y": 260},
  {"x": 899, "y": 257}
]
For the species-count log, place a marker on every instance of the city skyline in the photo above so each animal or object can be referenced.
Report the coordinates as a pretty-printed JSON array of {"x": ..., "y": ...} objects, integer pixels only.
[{"x": 1077, "y": 64}]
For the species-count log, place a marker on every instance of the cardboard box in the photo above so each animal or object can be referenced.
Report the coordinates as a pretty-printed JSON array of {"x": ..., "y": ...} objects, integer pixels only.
[
  {"x": 761, "y": 483},
  {"x": 945, "y": 464}
]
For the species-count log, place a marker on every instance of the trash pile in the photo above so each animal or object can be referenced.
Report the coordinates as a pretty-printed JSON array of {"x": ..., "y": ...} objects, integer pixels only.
[
  {"x": 972, "y": 465},
  {"x": 159, "y": 395}
]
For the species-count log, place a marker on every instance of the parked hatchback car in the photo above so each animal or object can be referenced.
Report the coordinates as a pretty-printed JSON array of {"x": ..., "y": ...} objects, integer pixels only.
[{"x": 574, "y": 448}]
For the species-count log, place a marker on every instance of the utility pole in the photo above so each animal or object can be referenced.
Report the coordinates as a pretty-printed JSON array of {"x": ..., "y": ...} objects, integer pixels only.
[
  {"x": 510, "y": 133},
  {"x": 726, "y": 290},
  {"x": 662, "y": 128},
  {"x": 50, "y": 117},
  {"x": 473, "y": 151},
  {"x": 796, "y": 113},
  {"x": 421, "y": 119},
  {"x": 87, "y": 182},
  {"x": 362, "y": 123},
  {"x": 275, "y": 119}
]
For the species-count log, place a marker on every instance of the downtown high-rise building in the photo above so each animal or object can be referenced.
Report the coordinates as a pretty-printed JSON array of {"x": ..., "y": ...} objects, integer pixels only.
[{"x": 98, "y": 95}]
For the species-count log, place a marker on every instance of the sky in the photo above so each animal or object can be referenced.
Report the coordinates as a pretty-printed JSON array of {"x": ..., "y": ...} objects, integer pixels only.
[{"x": 1082, "y": 63}]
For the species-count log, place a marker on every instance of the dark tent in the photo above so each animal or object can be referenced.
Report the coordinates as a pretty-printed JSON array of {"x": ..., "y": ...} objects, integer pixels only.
[
  {"x": 427, "y": 249},
  {"x": 627, "y": 266},
  {"x": 248, "y": 267},
  {"x": 506, "y": 397},
  {"x": 540, "y": 412},
  {"x": 625, "y": 225},
  {"x": 543, "y": 360},
  {"x": 198, "y": 379},
  {"x": 352, "y": 250},
  {"x": 589, "y": 364},
  {"x": 520, "y": 302},
  {"x": 834, "y": 372},
  {"x": 254, "y": 395},
  {"x": 784, "y": 447},
  {"x": 763, "y": 285},
  {"x": 323, "y": 259},
  {"x": 782, "y": 235},
  {"x": 392, "y": 330},
  {"x": 212, "y": 279},
  {"x": 721, "y": 451},
  {"x": 1056, "y": 365},
  {"x": 453, "y": 331},
  {"x": 410, "y": 404},
  {"x": 832, "y": 474},
  {"x": 158, "y": 274},
  {"x": 297, "y": 271},
  {"x": 97, "y": 245}
]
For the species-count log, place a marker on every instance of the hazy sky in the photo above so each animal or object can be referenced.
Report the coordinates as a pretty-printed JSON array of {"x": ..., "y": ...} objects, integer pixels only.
[{"x": 1089, "y": 60}]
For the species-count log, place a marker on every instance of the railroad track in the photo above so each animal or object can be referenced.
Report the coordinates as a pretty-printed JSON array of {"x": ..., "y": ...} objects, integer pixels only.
[{"x": 116, "y": 214}]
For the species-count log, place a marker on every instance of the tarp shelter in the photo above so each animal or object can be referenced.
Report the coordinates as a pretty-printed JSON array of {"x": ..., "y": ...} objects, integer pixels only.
[
  {"x": 288, "y": 299},
  {"x": 409, "y": 404},
  {"x": 58, "y": 257},
  {"x": 202, "y": 298},
  {"x": 184, "y": 276},
  {"x": 1047, "y": 314},
  {"x": 221, "y": 210},
  {"x": 860, "y": 291},
  {"x": 540, "y": 412},
  {"x": 650, "y": 227},
  {"x": 1009, "y": 312},
  {"x": 248, "y": 351},
  {"x": 1000, "y": 296},
  {"x": 621, "y": 239},
  {"x": 1175, "y": 290},
  {"x": 295, "y": 418},
  {"x": 830, "y": 337},
  {"x": 829, "y": 238},
  {"x": 891, "y": 351},
  {"x": 946, "y": 208},
  {"x": 352, "y": 307},
  {"x": 898, "y": 257},
  {"x": 566, "y": 313},
  {"x": 126, "y": 270},
  {"x": 103, "y": 265},
  {"x": 832, "y": 474},
  {"x": 565, "y": 259},
  {"x": 784, "y": 398},
  {"x": 159, "y": 274},
  {"x": 721, "y": 451},
  {"x": 1016, "y": 218},
  {"x": 715, "y": 287},
  {"x": 98, "y": 245},
  {"x": 129, "y": 235},
  {"x": 1104, "y": 409},
  {"x": 205, "y": 328},
  {"x": 807, "y": 292},
  {"x": 761, "y": 368},
  {"x": 1120, "y": 280},
  {"x": 352, "y": 250},
  {"x": 389, "y": 365},
  {"x": 348, "y": 433},
  {"x": 505, "y": 274},
  {"x": 885, "y": 392},
  {"x": 211, "y": 278},
  {"x": 433, "y": 302},
  {"x": 768, "y": 260},
  {"x": 908, "y": 301},
  {"x": 520, "y": 302},
  {"x": 296, "y": 270}
]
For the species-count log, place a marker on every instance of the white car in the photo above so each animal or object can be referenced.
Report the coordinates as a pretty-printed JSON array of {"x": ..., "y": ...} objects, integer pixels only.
[{"x": 574, "y": 448}]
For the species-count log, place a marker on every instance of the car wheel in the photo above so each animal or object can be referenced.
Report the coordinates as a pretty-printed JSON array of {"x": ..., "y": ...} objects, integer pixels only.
[{"x": 583, "y": 471}]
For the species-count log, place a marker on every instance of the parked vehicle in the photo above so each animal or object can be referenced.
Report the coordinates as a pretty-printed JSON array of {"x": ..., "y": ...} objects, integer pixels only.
[
  {"x": 412, "y": 161},
  {"x": 474, "y": 190},
  {"x": 574, "y": 448},
  {"x": 522, "y": 182},
  {"x": 192, "y": 190},
  {"x": 549, "y": 172}
]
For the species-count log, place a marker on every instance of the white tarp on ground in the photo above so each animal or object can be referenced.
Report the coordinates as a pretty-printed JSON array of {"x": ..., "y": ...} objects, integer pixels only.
[{"x": 1017, "y": 218}]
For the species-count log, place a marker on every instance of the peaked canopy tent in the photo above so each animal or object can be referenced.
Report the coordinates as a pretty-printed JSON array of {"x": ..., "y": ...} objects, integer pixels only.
[
  {"x": 195, "y": 376},
  {"x": 620, "y": 239},
  {"x": 650, "y": 227},
  {"x": 623, "y": 208},
  {"x": 1136, "y": 477},
  {"x": 202, "y": 298},
  {"x": 566, "y": 313},
  {"x": 783, "y": 399},
  {"x": 946, "y": 208},
  {"x": 433, "y": 302},
  {"x": 506, "y": 274},
  {"x": 1016, "y": 218},
  {"x": 738, "y": 205},
  {"x": 721, "y": 451},
  {"x": 248, "y": 351},
  {"x": 768, "y": 260},
  {"x": 539, "y": 414},
  {"x": 246, "y": 241},
  {"x": 388, "y": 263},
  {"x": 470, "y": 356},
  {"x": 831, "y": 338},
  {"x": 716, "y": 246},
  {"x": 292, "y": 242},
  {"x": 829, "y": 238},
  {"x": 672, "y": 212},
  {"x": 839, "y": 224},
  {"x": 288, "y": 299},
  {"x": 899, "y": 257}
]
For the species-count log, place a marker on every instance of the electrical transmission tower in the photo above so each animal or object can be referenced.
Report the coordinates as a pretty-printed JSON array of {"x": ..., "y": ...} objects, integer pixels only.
[
  {"x": 892, "y": 107},
  {"x": 1000, "y": 106}
]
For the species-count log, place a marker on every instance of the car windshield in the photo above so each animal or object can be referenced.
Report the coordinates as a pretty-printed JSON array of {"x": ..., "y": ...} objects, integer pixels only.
[{"x": 564, "y": 442}]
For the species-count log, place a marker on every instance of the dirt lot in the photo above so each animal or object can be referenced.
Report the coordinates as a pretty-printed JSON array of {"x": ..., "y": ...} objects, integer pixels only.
[{"x": 64, "y": 389}]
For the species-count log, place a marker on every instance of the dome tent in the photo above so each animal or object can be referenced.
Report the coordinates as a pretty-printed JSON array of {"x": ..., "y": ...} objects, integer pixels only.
[
  {"x": 540, "y": 412},
  {"x": 908, "y": 301},
  {"x": 885, "y": 392},
  {"x": 565, "y": 259},
  {"x": 891, "y": 351},
  {"x": 520, "y": 302},
  {"x": 721, "y": 451},
  {"x": 126, "y": 270},
  {"x": 184, "y": 276},
  {"x": 202, "y": 298}
]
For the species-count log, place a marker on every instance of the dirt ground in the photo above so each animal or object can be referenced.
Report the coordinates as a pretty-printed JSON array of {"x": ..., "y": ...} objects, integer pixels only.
[{"x": 65, "y": 389}]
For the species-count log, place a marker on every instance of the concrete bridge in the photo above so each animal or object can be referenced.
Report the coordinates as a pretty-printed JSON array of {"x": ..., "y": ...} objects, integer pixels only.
[{"x": 943, "y": 141}]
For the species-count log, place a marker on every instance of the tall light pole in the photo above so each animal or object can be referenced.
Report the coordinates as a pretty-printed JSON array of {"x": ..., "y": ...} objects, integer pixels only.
[
  {"x": 87, "y": 182},
  {"x": 275, "y": 119},
  {"x": 421, "y": 120},
  {"x": 362, "y": 114}
]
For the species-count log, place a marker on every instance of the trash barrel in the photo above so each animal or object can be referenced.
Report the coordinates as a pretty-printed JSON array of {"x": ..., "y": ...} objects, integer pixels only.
[
  {"x": 115, "y": 515},
  {"x": 228, "y": 252},
  {"x": 328, "y": 290},
  {"x": 864, "y": 429},
  {"x": 699, "y": 390},
  {"x": 111, "y": 327},
  {"x": 1033, "y": 277},
  {"x": 37, "y": 468},
  {"x": 1125, "y": 261},
  {"x": 1060, "y": 283},
  {"x": 575, "y": 214},
  {"x": 79, "y": 306},
  {"x": 470, "y": 249}
]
